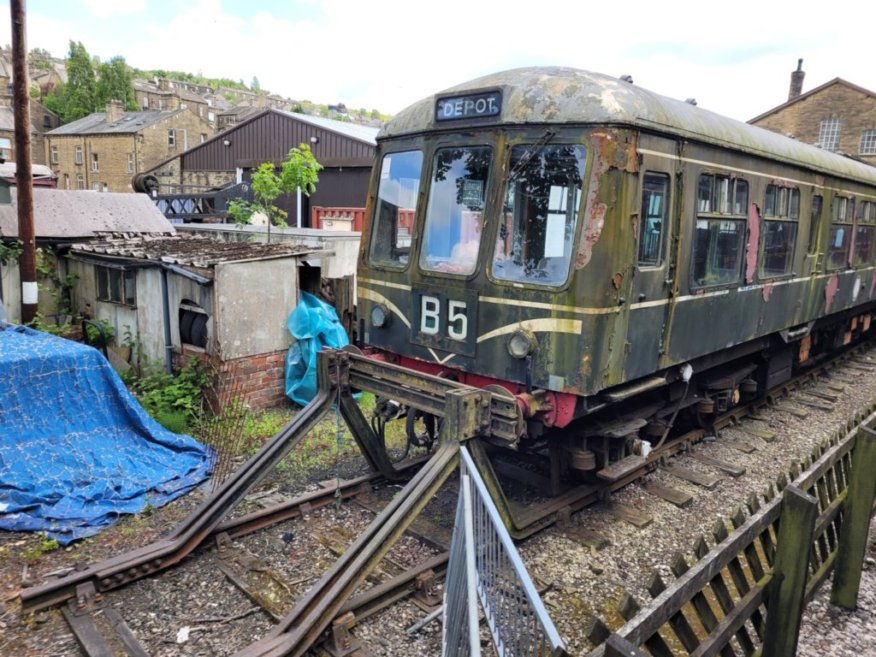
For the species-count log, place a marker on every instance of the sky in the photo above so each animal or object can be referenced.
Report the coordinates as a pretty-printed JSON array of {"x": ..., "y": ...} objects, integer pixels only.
[{"x": 734, "y": 58}]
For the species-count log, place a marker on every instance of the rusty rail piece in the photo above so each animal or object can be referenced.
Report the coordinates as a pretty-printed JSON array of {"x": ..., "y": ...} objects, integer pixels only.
[
  {"x": 203, "y": 521},
  {"x": 192, "y": 531},
  {"x": 466, "y": 415}
]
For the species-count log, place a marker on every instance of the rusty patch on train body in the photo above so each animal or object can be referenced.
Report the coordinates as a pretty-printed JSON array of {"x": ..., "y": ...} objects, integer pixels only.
[
  {"x": 767, "y": 291},
  {"x": 753, "y": 239},
  {"x": 610, "y": 151},
  {"x": 830, "y": 291}
]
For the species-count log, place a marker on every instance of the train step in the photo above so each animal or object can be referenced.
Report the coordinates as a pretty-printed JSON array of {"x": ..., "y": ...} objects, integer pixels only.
[{"x": 622, "y": 468}]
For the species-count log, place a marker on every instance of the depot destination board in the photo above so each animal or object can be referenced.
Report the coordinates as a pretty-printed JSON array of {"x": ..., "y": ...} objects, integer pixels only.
[{"x": 469, "y": 106}]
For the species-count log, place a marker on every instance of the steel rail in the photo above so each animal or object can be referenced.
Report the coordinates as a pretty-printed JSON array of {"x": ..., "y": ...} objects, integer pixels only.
[{"x": 200, "y": 524}]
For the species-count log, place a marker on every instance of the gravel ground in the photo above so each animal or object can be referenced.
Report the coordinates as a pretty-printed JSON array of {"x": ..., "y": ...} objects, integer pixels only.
[
  {"x": 829, "y": 631},
  {"x": 194, "y": 610}
]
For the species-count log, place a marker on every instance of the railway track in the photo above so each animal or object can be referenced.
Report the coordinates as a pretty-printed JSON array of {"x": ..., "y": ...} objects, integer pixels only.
[{"x": 259, "y": 563}]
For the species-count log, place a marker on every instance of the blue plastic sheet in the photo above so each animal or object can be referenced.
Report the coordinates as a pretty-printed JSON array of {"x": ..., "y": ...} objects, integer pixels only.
[
  {"x": 314, "y": 324},
  {"x": 76, "y": 448}
]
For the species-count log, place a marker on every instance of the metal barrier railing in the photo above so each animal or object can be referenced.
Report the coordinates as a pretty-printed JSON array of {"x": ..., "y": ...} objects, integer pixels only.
[{"x": 483, "y": 550}]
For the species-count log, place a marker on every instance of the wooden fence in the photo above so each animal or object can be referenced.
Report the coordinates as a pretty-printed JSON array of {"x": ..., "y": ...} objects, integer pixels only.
[{"x": 746, "y": 594}]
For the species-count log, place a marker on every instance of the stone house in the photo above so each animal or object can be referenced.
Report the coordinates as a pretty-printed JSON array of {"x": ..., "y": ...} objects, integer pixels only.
[
  {"x": 104, "y": 150},
  {"x": 837, "y": 116},
  {"x": 41, "y": 120},
  {"x": 165, "y": 94}
]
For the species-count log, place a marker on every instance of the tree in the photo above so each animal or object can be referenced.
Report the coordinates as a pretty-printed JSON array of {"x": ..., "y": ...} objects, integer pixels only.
[
  {"x": 255, "y": 84},
  {"x": 299, "y": 170},
  {"x": 116, "y": 83},
  {"x": 81, "y": 83},
  {"x": 84, "y": 92}
]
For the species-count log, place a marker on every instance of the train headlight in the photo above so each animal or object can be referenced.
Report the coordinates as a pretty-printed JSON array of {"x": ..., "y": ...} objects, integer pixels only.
[
  {"x": 521, "y": 344},
  {"x": 379, "y": 316}
]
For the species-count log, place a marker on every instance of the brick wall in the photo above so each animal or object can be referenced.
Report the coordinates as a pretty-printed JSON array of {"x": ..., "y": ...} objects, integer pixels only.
[
  {"x": 802, "y": 119},
  {"x": 260, "y": 381}
]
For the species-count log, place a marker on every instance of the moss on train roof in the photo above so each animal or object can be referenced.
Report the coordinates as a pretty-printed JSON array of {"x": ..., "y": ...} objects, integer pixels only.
[{"x": 548, "y": 95}]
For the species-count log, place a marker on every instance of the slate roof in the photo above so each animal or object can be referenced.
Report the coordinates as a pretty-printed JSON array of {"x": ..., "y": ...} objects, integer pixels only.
[
  {"x": 131, "y": 122},
  {"x": 77, "y": 214},
  {"x": 190, "y": 251}
]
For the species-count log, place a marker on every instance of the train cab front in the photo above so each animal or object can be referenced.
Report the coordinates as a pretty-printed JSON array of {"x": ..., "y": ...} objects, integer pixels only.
[{"x": 466, "y": 266}]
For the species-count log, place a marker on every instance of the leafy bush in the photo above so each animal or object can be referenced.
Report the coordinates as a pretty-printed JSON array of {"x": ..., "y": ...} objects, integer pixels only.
[{"x": 174, "y": 400}]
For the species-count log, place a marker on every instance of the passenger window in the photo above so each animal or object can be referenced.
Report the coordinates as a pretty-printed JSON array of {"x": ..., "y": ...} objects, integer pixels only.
[
  {"x": 719, "y": 234},
  {"x": 781, "y": 213},
  {"x": 534, "y": 242},
  {"x": 652, "y": 218},
  {"x": 865, "y": 226},
  {"x": 396, "y": 208},
  {"x": 454, "y": 216},
  {"x": 814, "y": 222},
  {"x": 840, "y": 232}
]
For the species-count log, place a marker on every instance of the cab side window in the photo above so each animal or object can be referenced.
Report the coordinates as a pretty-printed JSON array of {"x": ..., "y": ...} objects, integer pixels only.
[{"x": 652, "y": 218}]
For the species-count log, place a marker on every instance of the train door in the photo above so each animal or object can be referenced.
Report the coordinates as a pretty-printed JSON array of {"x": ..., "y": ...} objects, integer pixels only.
[{"x": 654, "y": 270}]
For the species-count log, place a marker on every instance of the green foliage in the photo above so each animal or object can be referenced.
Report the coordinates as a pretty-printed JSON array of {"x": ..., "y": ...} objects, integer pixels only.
[
  {"x": 300, "y": 170},
  {"x": 116, "y": 82},
  {"x": 89, "y": 87},
  {"x": 103, "y": 333},
  {"x": 81, "y": 84},
  {"x": 174, "y": 400},
  {"x": 34, "y": 552},
  {"x": 10, "y": 252}
]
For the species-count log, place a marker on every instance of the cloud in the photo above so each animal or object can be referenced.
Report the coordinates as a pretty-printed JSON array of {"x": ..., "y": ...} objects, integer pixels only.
[{"x": 108, "y": 8}]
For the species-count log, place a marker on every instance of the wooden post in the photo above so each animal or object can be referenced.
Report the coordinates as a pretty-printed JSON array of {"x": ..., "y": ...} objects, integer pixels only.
[
  {"x": 856, "y": 522},
  {"x": 790, "y": 572},
  {"x": 617, "y": 646}
]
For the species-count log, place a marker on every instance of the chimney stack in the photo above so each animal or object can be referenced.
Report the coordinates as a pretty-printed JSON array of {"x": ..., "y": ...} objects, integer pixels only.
[
  {"x": 797, "y": 81},
  {"x": 114, "y": 111}
]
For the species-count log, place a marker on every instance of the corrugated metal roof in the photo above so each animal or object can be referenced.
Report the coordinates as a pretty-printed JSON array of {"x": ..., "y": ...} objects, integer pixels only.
[
  {"x": 190, "y": 251},
  {"x": 74, "y": 214},
  {"x": 353, "y": 130},
  {"x": 97, "y": 124}
]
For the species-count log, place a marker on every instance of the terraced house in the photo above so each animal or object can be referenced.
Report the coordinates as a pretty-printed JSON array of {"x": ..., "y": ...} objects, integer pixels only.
[{"x": 105, "y": 150}]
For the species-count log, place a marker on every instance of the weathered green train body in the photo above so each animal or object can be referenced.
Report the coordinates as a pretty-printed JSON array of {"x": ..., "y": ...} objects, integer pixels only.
[{"x": 729, "y": 258}]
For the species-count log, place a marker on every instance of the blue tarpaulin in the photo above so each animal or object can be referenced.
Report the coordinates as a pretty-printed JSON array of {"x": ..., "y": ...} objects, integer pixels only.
[
  {"x": 76, "y": 448},
  {"x": 314, "y": 324}
]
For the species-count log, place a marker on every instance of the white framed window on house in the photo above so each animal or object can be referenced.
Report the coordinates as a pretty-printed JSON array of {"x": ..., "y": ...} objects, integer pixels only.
[
  {"x": 54, "y": 155},
  {"x": 868, "y": 143},
  {"x": 95, "y": 162},
  {"x": 130, "y": 163},
  {"x": 171, "y": 138},
  {"x": 6, "y": 148},
  {"x": 77, "y": 155},
  {"x": 829, "y": 134},
  {"x": 80, "y": 181},
  {"x": 116, "y": 285}
]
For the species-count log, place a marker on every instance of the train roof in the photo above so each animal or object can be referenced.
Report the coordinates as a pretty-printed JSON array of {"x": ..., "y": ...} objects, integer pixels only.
[{"x": 547, "y": 95}]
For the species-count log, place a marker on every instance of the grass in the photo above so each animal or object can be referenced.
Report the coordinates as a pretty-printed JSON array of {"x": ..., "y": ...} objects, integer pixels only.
[{"x": 238, "y": 433}]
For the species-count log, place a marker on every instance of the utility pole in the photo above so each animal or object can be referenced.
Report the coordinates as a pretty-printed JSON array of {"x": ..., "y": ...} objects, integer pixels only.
[{"x": 23, "y": 174}]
